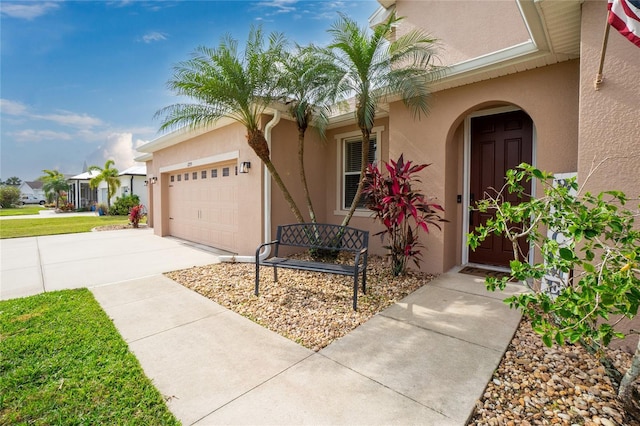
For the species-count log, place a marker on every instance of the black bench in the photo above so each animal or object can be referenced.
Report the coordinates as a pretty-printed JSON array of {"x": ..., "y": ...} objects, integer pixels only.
[{"x": 319, "y": 236}]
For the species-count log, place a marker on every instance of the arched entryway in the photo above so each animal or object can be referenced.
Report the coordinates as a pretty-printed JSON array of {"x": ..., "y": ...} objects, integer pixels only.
[{"x": 495, "y": 141}]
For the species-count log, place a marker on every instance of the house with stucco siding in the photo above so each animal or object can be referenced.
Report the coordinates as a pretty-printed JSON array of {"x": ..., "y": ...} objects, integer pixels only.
[{"x": 519, "y": 86}]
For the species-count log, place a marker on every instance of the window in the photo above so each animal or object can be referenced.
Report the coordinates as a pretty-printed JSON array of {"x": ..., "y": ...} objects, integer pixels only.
[
  {"x": 186, "y": 176},
  {"x": 203, "y": 174},
  {"x": 352, "y": 159},
  {"x": 225, "y": 171},
  {"x": 172, "y": 178},
  {"x": 179, "y": 178},
  {"x": 214, "y": 173},
  {"x": 194, "y": 175}
]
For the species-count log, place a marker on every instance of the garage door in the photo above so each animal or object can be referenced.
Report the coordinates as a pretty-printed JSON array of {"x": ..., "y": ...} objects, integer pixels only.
[{"x": 203, "y": 205}]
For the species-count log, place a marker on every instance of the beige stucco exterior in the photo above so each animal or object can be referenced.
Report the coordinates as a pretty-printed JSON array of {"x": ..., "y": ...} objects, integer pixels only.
[
  {"x": 528, "y": 65},
  {"x": 609, "y": 117}
]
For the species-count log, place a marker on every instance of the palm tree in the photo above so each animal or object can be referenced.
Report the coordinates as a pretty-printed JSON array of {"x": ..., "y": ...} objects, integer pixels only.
[
  {"x": 53, "y": 184},
  {"x": 372, "y": 69},
  {"x": 224, "y": 82},
  {"x": 107, "y": 174},
  {"x": 306, "y": 79}
]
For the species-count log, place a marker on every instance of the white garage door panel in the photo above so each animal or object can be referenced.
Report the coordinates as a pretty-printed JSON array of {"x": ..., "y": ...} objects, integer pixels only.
[{"x": 205, "y": 210}]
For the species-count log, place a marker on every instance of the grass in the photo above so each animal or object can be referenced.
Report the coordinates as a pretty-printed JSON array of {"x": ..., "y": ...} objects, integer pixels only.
[
  {"x": 15, "y": 228},
  {"x": 19, "y": 211},
  {"x": 64, "y": 363}
]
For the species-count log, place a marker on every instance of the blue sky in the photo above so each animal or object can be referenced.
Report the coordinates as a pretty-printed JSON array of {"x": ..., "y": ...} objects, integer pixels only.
[{"x": 81, "y": 80}]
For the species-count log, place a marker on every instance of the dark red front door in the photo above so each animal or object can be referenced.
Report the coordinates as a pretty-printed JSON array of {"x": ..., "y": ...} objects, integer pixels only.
[{"x": 498, "y": 142}]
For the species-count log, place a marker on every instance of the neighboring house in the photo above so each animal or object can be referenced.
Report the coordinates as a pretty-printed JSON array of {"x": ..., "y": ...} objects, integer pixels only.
[
  {"x": 519, "y": 87},
  {"x": 80, "y": 193},
  {"x": 133, "y": 181},
  {"x": 33, "y": 188}
]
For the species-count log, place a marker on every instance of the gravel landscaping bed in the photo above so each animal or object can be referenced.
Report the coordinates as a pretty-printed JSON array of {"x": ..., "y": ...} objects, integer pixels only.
[
  {"x": 309, "y": 308},
  {"x": 117, "y": 227},
  {"x": 534, "y": 385}
]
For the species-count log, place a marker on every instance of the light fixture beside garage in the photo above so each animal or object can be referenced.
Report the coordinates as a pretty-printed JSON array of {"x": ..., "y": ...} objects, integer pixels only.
[
  {"x": 244, "y": 167},
  {"x": 151, "y": 181}
]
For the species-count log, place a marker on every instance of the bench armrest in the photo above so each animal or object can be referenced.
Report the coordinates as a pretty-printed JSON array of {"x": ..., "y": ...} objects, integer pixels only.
[
  {"x": 264, "y": 245},
  {"x": 360, "y": 253}
]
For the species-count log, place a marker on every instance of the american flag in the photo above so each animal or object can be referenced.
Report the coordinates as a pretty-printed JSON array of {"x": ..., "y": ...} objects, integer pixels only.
[{"x": 624, "y": 16}]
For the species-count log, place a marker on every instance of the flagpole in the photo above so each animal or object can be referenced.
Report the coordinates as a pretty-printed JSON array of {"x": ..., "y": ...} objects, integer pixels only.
[{"x": 598, "y": 81}]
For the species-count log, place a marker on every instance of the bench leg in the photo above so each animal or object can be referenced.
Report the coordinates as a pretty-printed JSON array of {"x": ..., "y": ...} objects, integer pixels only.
[
  {"x": 355, "y": 292},
  {"x": 257, "y": 279},
  {"x": 364, "y": 282}
]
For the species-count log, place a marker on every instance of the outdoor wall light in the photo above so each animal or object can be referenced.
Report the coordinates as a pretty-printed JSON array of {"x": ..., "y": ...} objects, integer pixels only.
[
  {"x": 151, "y": 181},
  {"x": 244, "y": 167},
  {"x": 146, "y": 182}
]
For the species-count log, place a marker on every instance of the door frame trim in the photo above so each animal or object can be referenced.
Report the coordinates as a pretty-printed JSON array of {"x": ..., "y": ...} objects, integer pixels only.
[{"x": 467, "y": 171}]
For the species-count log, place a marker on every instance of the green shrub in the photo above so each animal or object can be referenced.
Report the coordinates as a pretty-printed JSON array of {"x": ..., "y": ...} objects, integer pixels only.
[
  {"x": 9, "y": 196},
  {"x": 123, "y": 205}
]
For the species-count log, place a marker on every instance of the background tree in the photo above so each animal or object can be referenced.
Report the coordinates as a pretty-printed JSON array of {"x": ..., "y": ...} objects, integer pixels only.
[
  {"x": 306, "y": 80},
  {"x": 371, "y": 68},
  {"x": 53, "y": 184},
  {"x": 224, "y": 82},
  {"x": 13, "y": 180},
  {"x": 106, "y": 174},
  {"x": 9, "y": 196}
]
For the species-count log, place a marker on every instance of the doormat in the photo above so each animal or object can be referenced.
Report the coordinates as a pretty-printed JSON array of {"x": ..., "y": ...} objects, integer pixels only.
[{"x": 481, "y": 272}]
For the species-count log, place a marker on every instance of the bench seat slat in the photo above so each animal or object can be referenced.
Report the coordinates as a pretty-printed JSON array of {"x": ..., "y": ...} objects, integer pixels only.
[{"x": 331, "y": 268}]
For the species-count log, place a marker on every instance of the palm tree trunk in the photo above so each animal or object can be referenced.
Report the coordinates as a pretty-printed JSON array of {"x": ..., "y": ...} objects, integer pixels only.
[
  {"x": 259, "y": 145},
  {"x": 303, "y": 175},
  {"x": 366, "y": 134}
]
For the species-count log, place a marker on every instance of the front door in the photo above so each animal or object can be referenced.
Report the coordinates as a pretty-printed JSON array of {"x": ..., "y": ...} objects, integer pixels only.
[{"x": 498, "y": 142}]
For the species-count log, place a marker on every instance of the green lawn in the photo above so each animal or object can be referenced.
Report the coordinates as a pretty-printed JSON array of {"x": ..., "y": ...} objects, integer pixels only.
[
  {"x": 18, "y": 211},
  {"x": 63, "y": 363},
  {"x": 14, "y": 228}
]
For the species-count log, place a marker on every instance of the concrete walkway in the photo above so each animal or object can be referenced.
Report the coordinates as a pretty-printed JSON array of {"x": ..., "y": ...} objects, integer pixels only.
[{"x": 425, "y": 360}]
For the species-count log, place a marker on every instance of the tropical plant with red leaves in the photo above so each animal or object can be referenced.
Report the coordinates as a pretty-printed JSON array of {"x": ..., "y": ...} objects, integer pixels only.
[
  {"x": 401, "y": 209},
  {"x": 136, "y": 213}
]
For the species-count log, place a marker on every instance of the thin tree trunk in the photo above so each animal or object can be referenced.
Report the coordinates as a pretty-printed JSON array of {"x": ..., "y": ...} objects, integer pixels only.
[
  {"x": 258, "y": 143},
  {"x": 303, "y": 175},
  {"x": 625, "y": 392},
  {"x": 366, "y": 134}
]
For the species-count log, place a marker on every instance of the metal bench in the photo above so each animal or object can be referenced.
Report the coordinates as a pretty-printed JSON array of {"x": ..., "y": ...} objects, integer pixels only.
[{"x": 320, "y": 237}]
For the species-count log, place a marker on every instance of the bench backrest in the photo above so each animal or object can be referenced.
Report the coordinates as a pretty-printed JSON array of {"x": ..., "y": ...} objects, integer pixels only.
[{"x": 323, "y": 236}]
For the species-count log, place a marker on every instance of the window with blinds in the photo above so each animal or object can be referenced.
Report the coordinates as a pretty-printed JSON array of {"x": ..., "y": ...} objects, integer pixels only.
[{"x": 352, "y": 159}]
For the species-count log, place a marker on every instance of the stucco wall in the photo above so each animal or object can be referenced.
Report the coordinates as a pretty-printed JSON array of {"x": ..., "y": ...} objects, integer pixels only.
[
  {"x": 549, "y": 95},
  {"x": 465, "y": 29},
  {"x": 609, "y": 117}
]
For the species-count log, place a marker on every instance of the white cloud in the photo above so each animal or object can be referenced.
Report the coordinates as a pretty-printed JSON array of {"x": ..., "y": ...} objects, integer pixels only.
[
  {"x": 30, "y": 135},
  {"x": 153, "y": 36},
  {"x": 28, "y": 11},
  {"x": 12, "y": 107},
  {"x": 67, "y": 118},
  {"x": 61, "y": 117},
  {"x": 280, "y": 6},
  {"x": 119, "y": 147}
]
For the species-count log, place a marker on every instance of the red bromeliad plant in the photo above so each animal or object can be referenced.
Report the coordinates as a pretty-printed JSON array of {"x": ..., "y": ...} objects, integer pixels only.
[{"x": 402, "y": 210}]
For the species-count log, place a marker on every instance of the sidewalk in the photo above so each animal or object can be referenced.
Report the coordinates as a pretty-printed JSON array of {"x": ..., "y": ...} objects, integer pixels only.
[
  {"x": 48, "y": 214},
  {"x": 425, "y": 360}
]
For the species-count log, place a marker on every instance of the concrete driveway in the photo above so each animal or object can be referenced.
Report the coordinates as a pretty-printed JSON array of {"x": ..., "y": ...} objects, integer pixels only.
[{"x": 32, "y": 265}]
